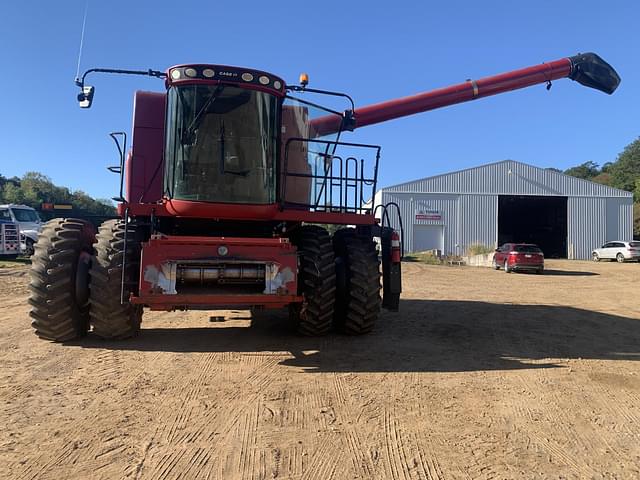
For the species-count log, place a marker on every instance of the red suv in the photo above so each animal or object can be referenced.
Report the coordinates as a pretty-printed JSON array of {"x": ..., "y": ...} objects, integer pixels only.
[{"x": 519, "y": 256}]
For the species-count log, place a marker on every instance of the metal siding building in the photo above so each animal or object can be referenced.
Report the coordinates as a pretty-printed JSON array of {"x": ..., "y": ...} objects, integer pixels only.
[{"x": 482, "y": 205}]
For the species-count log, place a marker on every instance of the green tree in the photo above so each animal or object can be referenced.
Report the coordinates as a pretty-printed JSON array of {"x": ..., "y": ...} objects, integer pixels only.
[
  {"x": 12, "y": 194},
  {"x": 605, "y": 168},
  {"x": 604, "y": 178},
  {"x": 34, "y": 189},
  {"x": 626, "y": 170},
  {"x": 586, "y": 171}
]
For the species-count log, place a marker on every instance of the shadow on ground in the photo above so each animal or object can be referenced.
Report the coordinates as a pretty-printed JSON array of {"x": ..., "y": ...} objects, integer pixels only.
[
  {"x": 426, "y": 336},
  {"x": 569, "y": 273}
]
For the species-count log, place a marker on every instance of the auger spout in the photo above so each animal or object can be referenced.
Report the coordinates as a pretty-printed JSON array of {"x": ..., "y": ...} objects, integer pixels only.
[{"x": 587, "y": 69}]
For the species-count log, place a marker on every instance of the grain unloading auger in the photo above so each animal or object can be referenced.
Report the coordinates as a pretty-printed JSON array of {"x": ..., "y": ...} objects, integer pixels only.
[
  {"x": 587, "y": 69},
  {"x": 225, "y": 196}
]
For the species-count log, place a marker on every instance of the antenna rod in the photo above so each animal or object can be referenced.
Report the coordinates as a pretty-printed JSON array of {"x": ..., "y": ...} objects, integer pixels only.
[{"x": 84, "y": 21}]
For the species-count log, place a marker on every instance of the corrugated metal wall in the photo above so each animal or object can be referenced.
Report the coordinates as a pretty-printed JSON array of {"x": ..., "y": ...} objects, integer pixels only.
[
  {"x": 479, "y": 221},
  {"x": 447, "y": 205},
  {"x": 467, "y": 202},
  {"x": 587, "y": 225},
  {"x": 467, "y": 219},
  {"x": 619, "y": 219}
]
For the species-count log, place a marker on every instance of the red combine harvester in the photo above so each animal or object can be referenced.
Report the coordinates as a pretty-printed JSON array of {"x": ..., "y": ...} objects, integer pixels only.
[{"x": 230, "y": 176}]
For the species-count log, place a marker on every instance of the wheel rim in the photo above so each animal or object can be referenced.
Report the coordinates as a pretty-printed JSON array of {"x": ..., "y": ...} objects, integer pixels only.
[
  {"x": 620, "y": 258},
  {"x": 595, "y": 257}
]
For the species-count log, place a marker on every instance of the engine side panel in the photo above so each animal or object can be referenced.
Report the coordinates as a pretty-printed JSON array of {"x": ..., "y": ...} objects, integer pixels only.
[{"x": 145, "y": 166}]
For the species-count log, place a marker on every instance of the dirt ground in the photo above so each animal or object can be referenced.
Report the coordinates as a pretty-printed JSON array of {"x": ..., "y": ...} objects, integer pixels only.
[{"x": 481, "y": 375}]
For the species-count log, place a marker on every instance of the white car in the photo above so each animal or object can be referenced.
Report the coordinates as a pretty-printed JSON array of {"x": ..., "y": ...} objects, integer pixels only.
[
  {"x": 617, "y": 250},
  {"x": 28, "y": 220}
]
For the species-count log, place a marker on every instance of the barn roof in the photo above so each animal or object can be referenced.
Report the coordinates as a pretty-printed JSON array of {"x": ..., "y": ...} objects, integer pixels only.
[{"x": 508, "y": 177}]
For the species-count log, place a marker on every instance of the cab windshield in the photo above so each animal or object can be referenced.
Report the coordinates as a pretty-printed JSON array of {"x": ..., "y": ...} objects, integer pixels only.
[
  {"x": 221, "y": 144},
  {"x": 24, "y": 215}
]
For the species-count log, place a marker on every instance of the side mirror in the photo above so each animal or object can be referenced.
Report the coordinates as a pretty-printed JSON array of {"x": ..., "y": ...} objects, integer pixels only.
[{"x": 85, "y": 97}]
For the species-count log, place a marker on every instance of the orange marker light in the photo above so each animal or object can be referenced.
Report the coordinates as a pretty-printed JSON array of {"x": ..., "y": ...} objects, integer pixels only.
[{"x": 304, "y": 79}]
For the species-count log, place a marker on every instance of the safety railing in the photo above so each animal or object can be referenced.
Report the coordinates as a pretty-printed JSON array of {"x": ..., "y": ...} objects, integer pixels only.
[{"x": 326, "y": 176}]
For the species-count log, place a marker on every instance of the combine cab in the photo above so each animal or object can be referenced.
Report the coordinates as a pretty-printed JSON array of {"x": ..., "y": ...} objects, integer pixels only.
[{"x": 224, "y": 200}]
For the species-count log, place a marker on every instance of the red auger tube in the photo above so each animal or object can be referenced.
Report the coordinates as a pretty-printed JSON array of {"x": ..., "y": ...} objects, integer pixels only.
[{"x": 588, "y": 69}]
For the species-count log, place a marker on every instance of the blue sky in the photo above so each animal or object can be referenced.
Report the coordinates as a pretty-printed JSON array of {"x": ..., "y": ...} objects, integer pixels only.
[{"x": 374, "y": 51}]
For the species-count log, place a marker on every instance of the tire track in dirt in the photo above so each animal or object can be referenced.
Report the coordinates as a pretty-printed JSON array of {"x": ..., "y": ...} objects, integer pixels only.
[
  {"x": 38, "y": 367},
  {"x": 562, "y": 420},
  {"x": 427, "y": 460},
  {"x": 249, "y": 430},
  {"x": 178, "y": 414},
  {"x": 618, "y": 405},
  {"x": 36, "y": 470},
  {"x": 394, "y": 447},
  {"x": 517, "y": 406},
  {"x": 520, "y": 410},
  {"x": 191, "y": 389},
  {"x": 99, "y": 378},
  {"x": 167, "y": 463},
  {"x": 220, "y": 426},
  {"x": 353, "y": 442},
  {"x": 324, "y": 460}
]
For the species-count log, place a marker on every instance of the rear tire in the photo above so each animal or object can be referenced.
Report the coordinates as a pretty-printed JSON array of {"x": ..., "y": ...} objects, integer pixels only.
[
  {"x": 620, "y": 258},
  {"x": 358, "y": 282},
  {"x": 110, "y": 319},
  {"x": 59, "y": 285},
  {"x": 316, "y": 281},
  {"x": 595, "y": 257},
  {"x": 506, "y": 267}
]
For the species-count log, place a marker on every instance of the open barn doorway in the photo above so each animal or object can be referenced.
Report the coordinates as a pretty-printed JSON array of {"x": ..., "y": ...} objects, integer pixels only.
[{"x": 533, "y": 219}]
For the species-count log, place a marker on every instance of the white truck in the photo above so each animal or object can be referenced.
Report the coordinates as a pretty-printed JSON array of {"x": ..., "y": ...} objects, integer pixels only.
[
  {"x": 28, "y": 221},
  {"x": 9, "y": 238}
]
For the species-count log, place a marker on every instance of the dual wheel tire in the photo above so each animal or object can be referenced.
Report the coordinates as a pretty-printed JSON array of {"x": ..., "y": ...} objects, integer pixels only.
[
  {"x": 64, "y": 303},
  {"x": 339, "y": 281},
  {"x": 59, "y": 287}
]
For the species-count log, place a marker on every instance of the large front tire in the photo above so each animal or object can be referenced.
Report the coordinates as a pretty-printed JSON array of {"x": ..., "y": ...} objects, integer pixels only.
[
  {"x": 358, "y": 282},
  {"x": 112, "y": 320},
  {"x": 316, "y": 281},
  {"x": 59, "y": 285}
]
